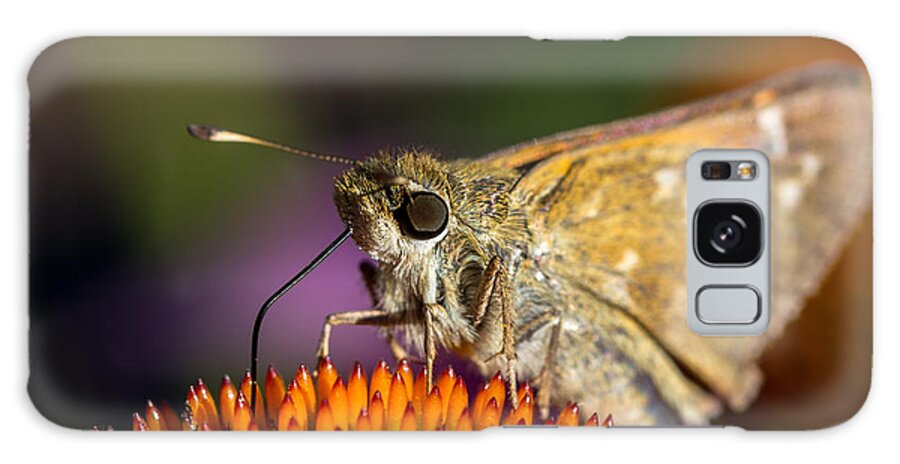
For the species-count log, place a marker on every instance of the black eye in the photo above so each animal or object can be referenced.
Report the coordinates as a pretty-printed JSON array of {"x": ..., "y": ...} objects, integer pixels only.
[{"x": 422, "y": 216}]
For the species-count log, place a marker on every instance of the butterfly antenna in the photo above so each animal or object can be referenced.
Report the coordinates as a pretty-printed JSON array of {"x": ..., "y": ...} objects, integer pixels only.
[
  {"x": 215, "y": 134},
  {"x": 257, "y": 325}
]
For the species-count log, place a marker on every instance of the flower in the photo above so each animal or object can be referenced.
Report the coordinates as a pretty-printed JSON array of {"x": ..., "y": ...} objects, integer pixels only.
[{"x": 386, "y": 401}]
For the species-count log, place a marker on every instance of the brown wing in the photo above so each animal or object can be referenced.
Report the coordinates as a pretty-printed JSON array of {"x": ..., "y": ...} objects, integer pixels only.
[{"x": 606, "y": 205}]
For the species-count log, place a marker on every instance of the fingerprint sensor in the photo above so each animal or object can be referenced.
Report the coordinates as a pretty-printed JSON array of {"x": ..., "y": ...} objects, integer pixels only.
[{"x": 721, "y": 304}]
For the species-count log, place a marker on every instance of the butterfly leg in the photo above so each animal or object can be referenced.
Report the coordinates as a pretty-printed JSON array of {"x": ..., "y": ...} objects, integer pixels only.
[
  {"x": 371, "y": 317},
  {"x": 398, "y": 351},
  {"x": 495, "y": 284},
  {"x": 545, "y": 378},
  {"x": 509, "y": 345},
  {"x": 486, "y": 290},
  {"x": 369, "y": 272}
]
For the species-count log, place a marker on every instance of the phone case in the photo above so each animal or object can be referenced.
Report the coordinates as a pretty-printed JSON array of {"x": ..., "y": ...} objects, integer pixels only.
[{"x": 435, "y": 233}]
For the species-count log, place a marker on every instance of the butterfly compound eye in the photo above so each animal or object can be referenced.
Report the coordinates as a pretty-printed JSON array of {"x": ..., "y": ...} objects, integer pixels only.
[{"x": 422, "y": 216}]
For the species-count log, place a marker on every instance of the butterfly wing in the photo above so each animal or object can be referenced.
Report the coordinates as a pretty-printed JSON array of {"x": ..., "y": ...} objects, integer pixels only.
[{"x": 606, "y": 208}]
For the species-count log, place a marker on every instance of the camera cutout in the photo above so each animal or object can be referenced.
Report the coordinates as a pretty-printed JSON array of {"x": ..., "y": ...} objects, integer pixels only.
[{"x": 727, "y": 242}]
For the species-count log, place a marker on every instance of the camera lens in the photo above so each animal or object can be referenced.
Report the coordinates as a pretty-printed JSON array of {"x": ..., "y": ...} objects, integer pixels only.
[{"x": 728, "y": 233}]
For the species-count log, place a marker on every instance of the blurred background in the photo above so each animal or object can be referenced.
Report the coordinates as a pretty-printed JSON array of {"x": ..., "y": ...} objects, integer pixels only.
[{"x": 150, "y": 252}]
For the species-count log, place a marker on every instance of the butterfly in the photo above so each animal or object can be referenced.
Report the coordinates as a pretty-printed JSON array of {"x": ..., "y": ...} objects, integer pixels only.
[{"x": 561, "y": 260}]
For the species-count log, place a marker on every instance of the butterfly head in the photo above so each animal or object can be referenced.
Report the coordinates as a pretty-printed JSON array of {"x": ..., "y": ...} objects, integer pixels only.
[{"x": 397, "y": 204}]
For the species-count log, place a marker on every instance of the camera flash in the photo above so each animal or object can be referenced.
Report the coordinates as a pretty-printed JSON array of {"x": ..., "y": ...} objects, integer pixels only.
[{"x": 746, "y": 170}]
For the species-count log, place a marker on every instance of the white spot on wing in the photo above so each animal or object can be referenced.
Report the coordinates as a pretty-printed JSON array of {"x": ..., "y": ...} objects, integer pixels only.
[
  {"x": 629, "y": 260},
  {"x": 810, "y": 165},
  {"x": 541, "y": 249},
  {"x": 570, "y": 325},
  {"x": 771, "y": 121},
  {"x": 790, "y": 193},
  {"x": 667, "y": 183}
]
